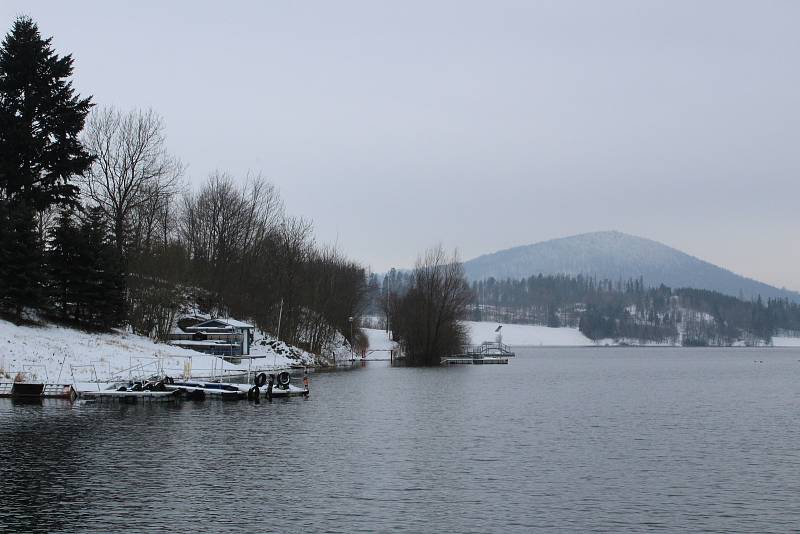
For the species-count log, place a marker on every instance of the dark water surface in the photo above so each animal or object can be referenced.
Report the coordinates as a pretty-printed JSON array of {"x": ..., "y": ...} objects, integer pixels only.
[{"x": 558, "y": 440}]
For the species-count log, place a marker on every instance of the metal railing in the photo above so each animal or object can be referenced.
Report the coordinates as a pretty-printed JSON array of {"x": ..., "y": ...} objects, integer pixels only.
[{"x": 488, "y": 347}]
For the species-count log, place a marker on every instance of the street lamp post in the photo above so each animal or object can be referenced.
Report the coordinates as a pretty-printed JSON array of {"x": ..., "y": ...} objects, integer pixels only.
[{"x": 352, "y": 341}]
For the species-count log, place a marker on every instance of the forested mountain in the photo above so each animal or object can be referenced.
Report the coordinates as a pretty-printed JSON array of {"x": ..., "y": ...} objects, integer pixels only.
[{"x": 618, "y": 256}]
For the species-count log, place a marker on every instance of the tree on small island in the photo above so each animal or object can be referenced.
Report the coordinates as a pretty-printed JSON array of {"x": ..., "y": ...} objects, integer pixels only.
[{"x": 427, "y": 318}]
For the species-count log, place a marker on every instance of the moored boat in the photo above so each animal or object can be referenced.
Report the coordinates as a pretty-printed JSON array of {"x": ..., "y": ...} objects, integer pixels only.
[
  {"x": 125, "y": 395},
  {"x": 212, "y": 390},
  {"x": 268, "y": 386},
  {"x": 280, "y": 386}
]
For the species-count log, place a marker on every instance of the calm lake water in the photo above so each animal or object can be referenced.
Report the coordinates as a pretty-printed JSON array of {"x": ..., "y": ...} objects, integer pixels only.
[{"x": 558, "y": 440}]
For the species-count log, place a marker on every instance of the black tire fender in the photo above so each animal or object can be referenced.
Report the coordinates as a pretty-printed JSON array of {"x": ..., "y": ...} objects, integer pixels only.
[
  {"x": 261, "y": 379},
  {"x": 284, "y": 378},
  {"x": 254, "y": 393}
]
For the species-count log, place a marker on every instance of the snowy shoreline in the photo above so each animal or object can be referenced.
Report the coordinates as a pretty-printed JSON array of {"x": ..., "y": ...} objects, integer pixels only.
[
  {"x": 57, "y": 354},
  {"x": 54, "y": 353}
]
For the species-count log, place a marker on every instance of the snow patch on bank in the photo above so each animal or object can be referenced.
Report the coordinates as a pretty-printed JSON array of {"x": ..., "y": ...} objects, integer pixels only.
[
  {"x": 784, "y": 341},
  {"x": 530, "y": 335},
  {"x": 380, "y": 345},
  {"x": 379, "y": 339}
]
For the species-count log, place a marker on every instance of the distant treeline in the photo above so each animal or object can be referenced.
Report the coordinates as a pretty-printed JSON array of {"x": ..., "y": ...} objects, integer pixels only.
[{"x": 97, "y": 228}]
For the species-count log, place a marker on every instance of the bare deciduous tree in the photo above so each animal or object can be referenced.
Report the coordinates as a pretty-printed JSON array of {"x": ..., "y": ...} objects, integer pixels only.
[
  {"x": 224, "y": 227},
  {"x": 133, "y": 175}
]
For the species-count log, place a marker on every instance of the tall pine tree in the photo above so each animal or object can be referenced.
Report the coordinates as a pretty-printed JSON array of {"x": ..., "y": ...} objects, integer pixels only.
[
  {"x": 103, "y": 287},
  {"x": 41, "y": 117},
  {"x": 67, "y": 267},
  {"x": 22, "y": 265}
]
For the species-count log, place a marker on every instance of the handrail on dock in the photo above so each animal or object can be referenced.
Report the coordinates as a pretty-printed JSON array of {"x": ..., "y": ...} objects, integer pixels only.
[{"x": 488, "y": 346}]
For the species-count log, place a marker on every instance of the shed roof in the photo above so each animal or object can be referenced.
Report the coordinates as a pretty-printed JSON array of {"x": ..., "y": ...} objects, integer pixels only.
[{"x": 227, "y": 321}]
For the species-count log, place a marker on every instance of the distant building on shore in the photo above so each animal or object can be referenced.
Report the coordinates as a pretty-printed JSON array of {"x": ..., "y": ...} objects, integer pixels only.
[{"x": 222, "y": 337}]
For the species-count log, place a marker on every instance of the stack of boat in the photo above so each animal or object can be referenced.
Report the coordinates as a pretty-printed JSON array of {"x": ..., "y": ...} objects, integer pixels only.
[{"x": 167, "y": 389}]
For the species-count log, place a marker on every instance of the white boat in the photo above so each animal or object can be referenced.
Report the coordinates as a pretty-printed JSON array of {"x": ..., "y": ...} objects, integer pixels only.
[{"x": 280, "y": 386}]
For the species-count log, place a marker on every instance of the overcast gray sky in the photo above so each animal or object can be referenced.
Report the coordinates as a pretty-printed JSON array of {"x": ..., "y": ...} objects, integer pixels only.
[{"x": 481, "y": 125}]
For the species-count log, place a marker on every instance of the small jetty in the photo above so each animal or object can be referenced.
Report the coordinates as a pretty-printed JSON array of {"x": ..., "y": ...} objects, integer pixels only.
[{"x": 488, "y": 352}]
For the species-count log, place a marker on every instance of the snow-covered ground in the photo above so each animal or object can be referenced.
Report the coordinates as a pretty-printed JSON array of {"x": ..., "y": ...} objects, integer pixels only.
[
  {"x": 523, "y": 334},
  {"x": 57, "y": 354},
  {"x": 378, "y": 339},
  {"x": 783, "y": 341},
  {"x": 379, "y": 344},
  {"x": 519, "y": 334},
  {"x": 513, "y": 334}
]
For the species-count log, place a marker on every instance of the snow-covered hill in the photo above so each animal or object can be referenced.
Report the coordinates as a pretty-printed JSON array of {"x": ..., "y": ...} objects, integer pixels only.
[{"x": 615, "y": 255}]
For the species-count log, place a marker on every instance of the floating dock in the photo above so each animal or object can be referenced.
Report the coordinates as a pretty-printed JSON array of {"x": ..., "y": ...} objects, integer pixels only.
[
  {"x": 490, "y": 348},
  {"x": 488, "y": 352},
  {"x": 131, "y": 397},
  {"x": 469, "y": 360},
  {"x": 27, "y": 390}
]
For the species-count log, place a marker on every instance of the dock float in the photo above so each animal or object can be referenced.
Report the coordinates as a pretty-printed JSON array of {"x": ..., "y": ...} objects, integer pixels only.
[
  {"x": 27, "y": 390},
  {"x": 131, "y": 397},
  {"x": 469, "y": 360}
]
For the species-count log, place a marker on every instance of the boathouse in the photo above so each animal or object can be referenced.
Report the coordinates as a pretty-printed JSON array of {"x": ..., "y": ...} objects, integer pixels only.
[{"x": 222, "y": 337}]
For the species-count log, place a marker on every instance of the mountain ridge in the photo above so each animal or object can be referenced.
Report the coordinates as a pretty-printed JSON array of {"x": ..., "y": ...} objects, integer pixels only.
[{"x": 614, "y": 255}]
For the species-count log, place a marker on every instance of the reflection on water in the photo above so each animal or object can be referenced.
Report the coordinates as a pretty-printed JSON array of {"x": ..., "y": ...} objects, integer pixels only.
[{"x": 559, "y": 439}]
